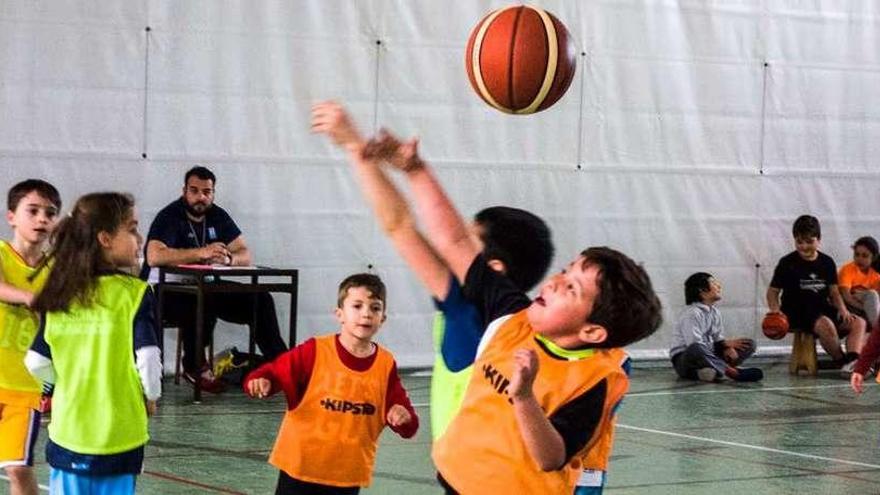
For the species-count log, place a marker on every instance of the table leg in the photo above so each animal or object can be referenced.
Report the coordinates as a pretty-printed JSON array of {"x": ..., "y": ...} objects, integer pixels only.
[
  {"x": 294, "y": 286},
  {"x": 253, "y": 331},
  {"x": 199, "y": 348}
]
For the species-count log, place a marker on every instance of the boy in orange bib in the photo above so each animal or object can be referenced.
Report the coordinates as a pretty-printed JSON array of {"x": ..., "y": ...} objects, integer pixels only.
[
  {"x": 548, "y": 376},
  {"x": 341, "y": 391}
]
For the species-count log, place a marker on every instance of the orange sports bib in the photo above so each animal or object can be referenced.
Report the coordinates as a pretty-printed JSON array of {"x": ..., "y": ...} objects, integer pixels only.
[
  {"x": 331, "y": 436},
  {"x": 483, "y": 451}
]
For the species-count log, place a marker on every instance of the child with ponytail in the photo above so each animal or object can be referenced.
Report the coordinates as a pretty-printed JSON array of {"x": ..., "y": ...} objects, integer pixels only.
[{"x": 97, "y": 343}]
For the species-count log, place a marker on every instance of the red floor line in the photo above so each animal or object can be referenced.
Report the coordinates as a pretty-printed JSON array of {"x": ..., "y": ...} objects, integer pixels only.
[{"x": 190, "y": 482}]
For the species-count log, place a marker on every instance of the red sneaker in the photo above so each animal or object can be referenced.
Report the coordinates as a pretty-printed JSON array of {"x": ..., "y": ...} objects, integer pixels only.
[{"x": 207, "y": 381}]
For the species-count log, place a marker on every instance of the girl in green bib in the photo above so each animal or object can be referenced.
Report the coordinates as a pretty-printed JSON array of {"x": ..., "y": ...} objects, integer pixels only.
[{"x": 97, "y": 343}]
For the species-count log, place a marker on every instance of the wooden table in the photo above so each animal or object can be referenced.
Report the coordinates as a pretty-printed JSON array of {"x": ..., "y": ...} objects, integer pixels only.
[{"x": 201, "y": 280}]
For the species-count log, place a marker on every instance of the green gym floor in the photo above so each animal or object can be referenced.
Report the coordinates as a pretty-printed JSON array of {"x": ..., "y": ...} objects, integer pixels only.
[{"x": 797, "y": 435}]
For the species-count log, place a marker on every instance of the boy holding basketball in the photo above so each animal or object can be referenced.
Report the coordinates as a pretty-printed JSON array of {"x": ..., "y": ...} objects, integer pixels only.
[
  {"x": 804, "y": 288},
  {"x": 699, "y": 349},
  {"x": 548, "y": 372}
]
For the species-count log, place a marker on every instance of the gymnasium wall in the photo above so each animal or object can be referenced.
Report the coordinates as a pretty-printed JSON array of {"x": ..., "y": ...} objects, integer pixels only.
[{"x": 693, "y": 134}]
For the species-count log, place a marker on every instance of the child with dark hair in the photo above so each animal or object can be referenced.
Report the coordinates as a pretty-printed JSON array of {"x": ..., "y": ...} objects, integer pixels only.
[
  {"x": 804, "y": 288},
  {"x": 32, "y": 209},
  {"x": 97, "y": 343},
  {"x": 859, "y": 281},
  {"x": 521, "y": 430},
  {"x": 341, "y": 390},
  {"x": 699, "y": 349}
]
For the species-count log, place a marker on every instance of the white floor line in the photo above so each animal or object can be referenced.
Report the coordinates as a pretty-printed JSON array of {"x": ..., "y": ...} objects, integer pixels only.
[
  {"x": 633, "y": 395},
  {"x": 734, "y": 390},
  {"x": 42, "y": 487},
  {"x": 752, "y": 447}
]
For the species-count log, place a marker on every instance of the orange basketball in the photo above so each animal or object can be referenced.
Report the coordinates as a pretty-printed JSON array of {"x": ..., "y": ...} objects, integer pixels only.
[
  {"x": 520, "y": 59},
  {"x": 775, "y": 325}
]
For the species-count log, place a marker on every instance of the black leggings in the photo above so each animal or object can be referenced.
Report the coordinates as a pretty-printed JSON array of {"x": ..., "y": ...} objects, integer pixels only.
[
  {"x": 180, "y": 310},
  {"x": 293, "y": 486}
]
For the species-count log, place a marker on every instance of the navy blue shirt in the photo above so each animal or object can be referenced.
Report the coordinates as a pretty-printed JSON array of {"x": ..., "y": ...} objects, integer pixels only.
[
  {"x": 464, "y": 327},
  {"x": 175, "y": 229}
]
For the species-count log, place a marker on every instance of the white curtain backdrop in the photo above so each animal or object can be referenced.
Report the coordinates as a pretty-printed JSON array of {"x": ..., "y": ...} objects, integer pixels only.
[{"x": 693, "y": 134}]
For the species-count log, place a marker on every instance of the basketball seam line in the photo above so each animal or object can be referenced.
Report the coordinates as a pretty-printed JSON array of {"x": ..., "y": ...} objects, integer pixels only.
[
  {"x": 475, "y": 60},
  {"x": 511, "y": 104},
  {"x": 552, "y": 62}
]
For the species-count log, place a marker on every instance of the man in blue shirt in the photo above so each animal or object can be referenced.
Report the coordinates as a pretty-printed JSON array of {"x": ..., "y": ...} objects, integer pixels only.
[{"x": 192, "y": 229}]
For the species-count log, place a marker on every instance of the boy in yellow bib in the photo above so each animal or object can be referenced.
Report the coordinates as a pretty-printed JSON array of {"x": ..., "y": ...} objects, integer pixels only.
[
  {"x": 32, "y": 209},
  {"x": 521, "y": 430}
]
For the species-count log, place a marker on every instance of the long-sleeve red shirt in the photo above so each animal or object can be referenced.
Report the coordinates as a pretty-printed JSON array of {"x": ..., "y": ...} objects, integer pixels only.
[
  {"x": 291, "y": 371},
  {"x": 869, "y": 353}
]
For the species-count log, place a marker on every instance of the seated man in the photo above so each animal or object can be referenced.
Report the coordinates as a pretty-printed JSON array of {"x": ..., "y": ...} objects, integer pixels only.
[
  {"x": 699, "y": 349},
  {"x": 192, "y": 229}
]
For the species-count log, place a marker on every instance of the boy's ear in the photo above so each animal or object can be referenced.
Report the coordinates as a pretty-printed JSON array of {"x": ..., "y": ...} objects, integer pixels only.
[
  {"x": 338, "y": 313},
  {"x": 592, "y": 334},
  {"x": 9, "y": 216},
  {"x": 497, "y": 265}
]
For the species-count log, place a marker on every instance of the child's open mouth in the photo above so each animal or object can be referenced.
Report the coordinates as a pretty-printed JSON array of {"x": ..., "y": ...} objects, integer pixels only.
[{"x": 540, "y": 301}]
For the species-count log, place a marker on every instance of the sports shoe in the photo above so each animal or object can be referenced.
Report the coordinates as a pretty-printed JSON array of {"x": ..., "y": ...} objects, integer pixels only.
[
  {"x": 224, "y": 362},
  {"x": 848, "y": 368},
  {"x": 707, "y": 374},
  {"x": 207, "y": 381},
  {"x": 745, "y": 374}
]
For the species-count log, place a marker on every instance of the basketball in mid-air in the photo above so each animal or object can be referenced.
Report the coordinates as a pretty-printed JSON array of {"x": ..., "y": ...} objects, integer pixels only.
[
  {"x": 774, "y": 325},
  {"x": 520, "y": 59}
]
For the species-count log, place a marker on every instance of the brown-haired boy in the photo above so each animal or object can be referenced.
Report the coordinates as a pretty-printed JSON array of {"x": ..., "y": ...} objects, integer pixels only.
[
  {"x": 521, "y": 430},
  {"x": 804, "y": 288},
  {"x": 341, "y": 391},
  {"x": 32, "y": 209}
]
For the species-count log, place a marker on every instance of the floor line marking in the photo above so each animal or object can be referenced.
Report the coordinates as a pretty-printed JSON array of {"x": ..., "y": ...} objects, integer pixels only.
[
  {"x": 734, "y": 390},
  {"x": 186, "y": 481},
  {"x": 748, "y": 446},
  {"x": 633, "y": 395}
]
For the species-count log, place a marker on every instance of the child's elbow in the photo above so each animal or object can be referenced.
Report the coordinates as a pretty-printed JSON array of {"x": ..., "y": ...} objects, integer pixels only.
[{"x": 552, "y": 462}]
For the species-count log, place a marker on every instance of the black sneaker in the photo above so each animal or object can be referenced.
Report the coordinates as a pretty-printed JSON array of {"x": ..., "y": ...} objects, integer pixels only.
[{"x": 746, "y": 374}]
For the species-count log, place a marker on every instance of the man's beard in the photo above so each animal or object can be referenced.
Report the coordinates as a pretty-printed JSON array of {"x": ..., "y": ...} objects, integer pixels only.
[{"x": 192, "y": 211}]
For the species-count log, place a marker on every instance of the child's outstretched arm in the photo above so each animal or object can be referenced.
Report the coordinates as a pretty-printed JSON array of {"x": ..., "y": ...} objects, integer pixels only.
[
  {"x": 389, "y": 205},
  {"x": 264, "y": 381},
  {"x": 544, "y": 443},
  {"x": 445, "y": 228},
  {"x": 289, "y": 373}
]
